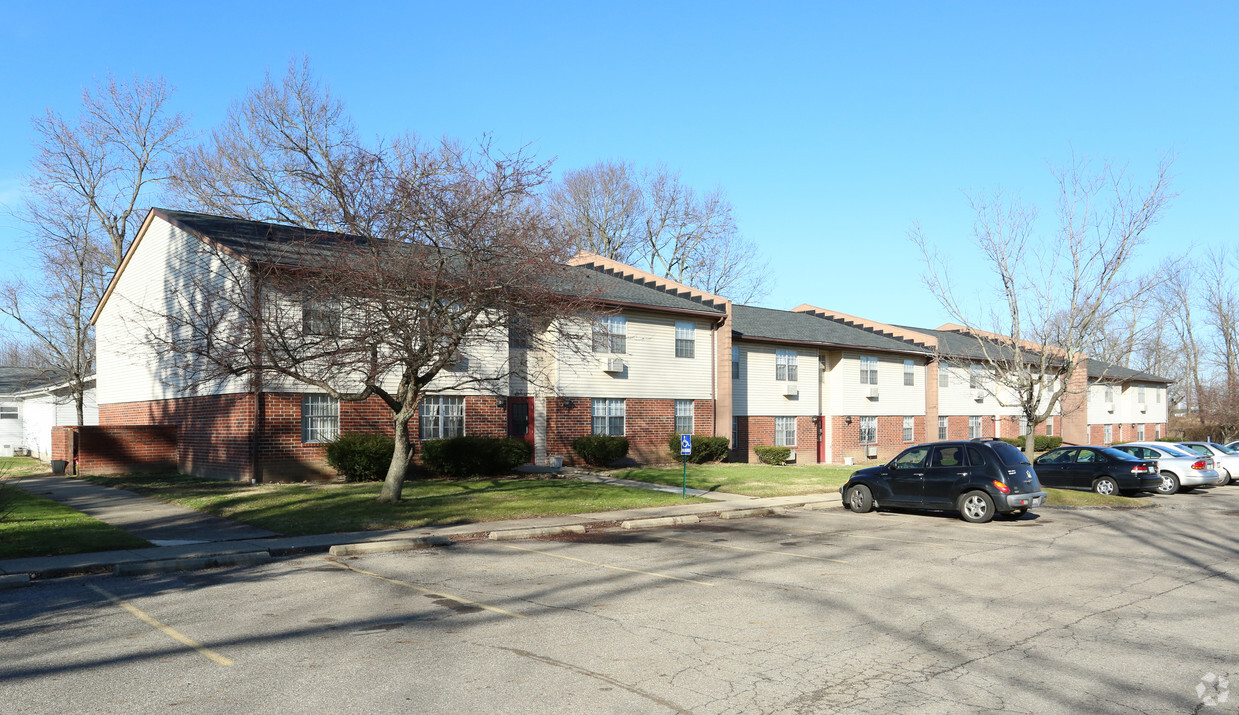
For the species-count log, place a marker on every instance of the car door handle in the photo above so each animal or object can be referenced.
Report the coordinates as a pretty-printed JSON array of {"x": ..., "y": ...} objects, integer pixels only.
[
  {"x": 918, "y": 474},
  {"x": 962, "y": 474}
]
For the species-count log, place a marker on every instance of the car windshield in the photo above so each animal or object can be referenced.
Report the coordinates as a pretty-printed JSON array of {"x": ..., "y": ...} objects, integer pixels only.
[
  {"x": 1009, "y": 455},
  {"x": 1224, "y": 449},
  {"x": 1175, "y": 451},
  {"x": 1113, "y": 453}
]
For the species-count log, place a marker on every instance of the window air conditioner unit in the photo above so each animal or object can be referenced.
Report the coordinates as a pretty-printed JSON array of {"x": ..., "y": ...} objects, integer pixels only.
[
  {"x": 613, "y": 365},
  {"x": 873, "y": 392},
  {"x": 791, "y": 389},
  {"x": 791, "y": 456},
  {"x": 978, "y": 395},
  {"x": 1109, "y": 407},
  {"x": 1144, "y": 408},
  {"x": 871, "y": 451}
]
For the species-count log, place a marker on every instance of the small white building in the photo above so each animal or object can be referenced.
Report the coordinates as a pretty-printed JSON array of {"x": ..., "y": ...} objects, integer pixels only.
[{"x": 32, "y": 401}]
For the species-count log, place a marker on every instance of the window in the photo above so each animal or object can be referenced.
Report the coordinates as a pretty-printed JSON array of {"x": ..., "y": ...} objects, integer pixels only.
[
  {"x": 942, "y": 428},
  {"x": 1049, "y": 426},
  {"x": 944, "y": 376},
  {"x": 974, "y": 427},
  {"x": 1140, "y": 394},
  {"x": 684, "y": 342},
  {"x": 683, "y": 416},
  {"x": 785, "y": 431},
  {"x": 735, "y": 362},
  {"x": 8, "y": 412},
  {"x": 1023, "y": 425},
  {"x": 909, "y": 372},
  {"x": 320, "y": 317},
  {"x": 611, "y": 334},
  {"x": 442, "y": 417},
  {"x": 868, "y": 430},
  {"x": 1109, "y": 394},
  {"x": 1157, "y": 395},
  {"x": 735, "y": 432},
  {"x": 912, "y": 459},
  {"x": 608, "y": 416},
  {"x": 320, "y": 418},
  {"x": 1108, "y": 432},
  {"x": 868, "y": 371},
  {"x": 947, "y": 457},
  {"x": 909, "y": 429},
  {"x": 1139, "y": 433},
  {"x": 1157, "y": 430},
  {"x": 975, "y": 377},
  {"x": 785, "y": 365}
]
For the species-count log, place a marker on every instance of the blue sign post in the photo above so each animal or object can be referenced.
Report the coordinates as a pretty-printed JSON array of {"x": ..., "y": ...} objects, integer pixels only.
[{"x": 686, "y": 448}]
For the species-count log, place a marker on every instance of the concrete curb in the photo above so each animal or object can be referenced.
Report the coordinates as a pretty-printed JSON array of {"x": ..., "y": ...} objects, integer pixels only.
[
  {"x": 388, "y": 546},
  {"x": 512, "y": 534},
  {"x": 659, "y": 521},
  {"x": 14, "y": 580},
  {"x": 142, "y": 568},
  {"x": 746, "y": 513}
]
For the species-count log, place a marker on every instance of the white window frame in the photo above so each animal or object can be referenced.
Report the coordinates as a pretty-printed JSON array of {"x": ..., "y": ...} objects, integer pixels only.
[
  {"x": 685, "y": 339},
  {"x": 1157, "y": 430},
  {"x": 785, "y": 365},
  {"x": 1049, "y": 426},
  {"x": 320, "y": 418},
  {"x": 942, "y": 428},
  {"x": 1107, "y": 433},
  {"x": 9, "y": 412},
  {"x": 684, "y": 411},
  {"x": 909, "y": 429},
  {"x": 321, "y": 317},
  {"x": 1109, "y": 394},
  {"x": 1140, "y": 432},
  {"x": 868, "y": 370},
  {"x": 909, "y": 373},
  {"x": 976, "y": 427},
  {"x": 441, "y": 417},
  {"x": 608, "y": 415},
  {"x": 611, "y": 335},
  {"x": 976, "y": 377},
  {"x": 785, "y": 431},
  {"x": 868, "y": 430},
  {"x": 1157, "y": 395},
  {"x": 1140, "y": 394},
  {"x": 944, "y": 376},
  {"x": 1023, "y": 425}
]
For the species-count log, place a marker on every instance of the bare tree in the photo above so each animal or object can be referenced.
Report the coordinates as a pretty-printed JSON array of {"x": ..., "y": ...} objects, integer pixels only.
[
  {"x": 21, "y": 351},
  {"x": 440, "y": 251},
  {"x": 1177, "y": 299},
  {"x": 1053, "y": 292},
  {"x": 108, "y": 160},
  {"x": 652, "y": 219}
]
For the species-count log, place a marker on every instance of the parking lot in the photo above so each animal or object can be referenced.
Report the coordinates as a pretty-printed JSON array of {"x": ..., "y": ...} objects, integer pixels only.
[{"x": 804, "y": 612}]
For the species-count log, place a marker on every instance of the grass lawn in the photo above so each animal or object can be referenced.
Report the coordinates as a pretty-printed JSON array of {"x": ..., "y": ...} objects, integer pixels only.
[
  {"x": 21, "y": 466},
  {"x": 300, "y": 509},
  {"x": 1075, "y": 497},
  {"x": 755, "y": 480},
  {"x": 40, "y": 527}
]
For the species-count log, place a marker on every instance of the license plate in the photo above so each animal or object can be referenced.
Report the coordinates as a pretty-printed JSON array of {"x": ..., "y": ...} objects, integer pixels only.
[{"x": 1037, "y": 501}]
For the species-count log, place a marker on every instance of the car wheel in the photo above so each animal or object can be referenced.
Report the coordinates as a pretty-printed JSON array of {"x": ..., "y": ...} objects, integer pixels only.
[
  {"x": 976, "y": 507},
  {"x": 1169, "y": 485},
  {"x": 1226, "y": 478},
  {"x": 1106, "y": 486},
  {"x": 860, "y": 499}
]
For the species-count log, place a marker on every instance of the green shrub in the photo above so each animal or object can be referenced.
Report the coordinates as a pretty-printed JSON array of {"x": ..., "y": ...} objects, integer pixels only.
[
  {"x": 361, "y": 456},
  {"x": 705, "y": 449},
  {"x": 600, "y": 449},
  {"x": 1014, "y": 441},
  {"x": 470, "y": 456},
  {"x": 1044, "y": 443},
  {"x": 773, "y": 455}
]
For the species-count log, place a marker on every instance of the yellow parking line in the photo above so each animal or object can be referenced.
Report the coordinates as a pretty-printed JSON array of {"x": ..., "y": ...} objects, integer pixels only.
[
  {"x": 607, "y": 566},
  {"x": 745, "y": 548},
  {"x": 168, "y": 631},
  {"x": 426, "y": 591}
]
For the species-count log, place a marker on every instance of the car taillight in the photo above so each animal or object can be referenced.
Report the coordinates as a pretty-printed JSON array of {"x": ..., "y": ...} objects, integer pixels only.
[
  {"x": 1002, "y": 487},
  {"x": 1140, "y": 469},
  {"x": 1199, "y": 464}
]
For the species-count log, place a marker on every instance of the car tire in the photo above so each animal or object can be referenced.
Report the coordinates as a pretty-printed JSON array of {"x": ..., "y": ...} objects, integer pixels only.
[
  {"x": 859, "y": 499},
  {"x": 1106, "y": 486},
  {"x": 1169, "y": 485},
  {"x": 976, "y": 507},
  {"x": 1226, "y": 478}
]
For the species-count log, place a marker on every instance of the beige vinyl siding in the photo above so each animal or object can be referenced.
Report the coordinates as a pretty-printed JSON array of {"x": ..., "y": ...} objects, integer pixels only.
[
  {"x": 1126, "y": 403},
  {"x": 894, "y": 397},
  {"x": 651, "y": 368},
  {"x": 758, "y": 392}
]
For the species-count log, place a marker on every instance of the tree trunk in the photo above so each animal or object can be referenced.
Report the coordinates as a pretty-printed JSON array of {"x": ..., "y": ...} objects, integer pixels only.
[
  {"x": 401, "y": 457},
  {"x": 79, "y": 396},
  {"x": 1030, "y": 441}
]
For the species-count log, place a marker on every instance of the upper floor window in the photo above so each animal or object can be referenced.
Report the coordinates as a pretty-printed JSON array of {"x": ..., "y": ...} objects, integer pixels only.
[
  {"x": 785, "y": 365},
  {"x": 8, "y": 412},
  {"x": 685, "y": 345},
  {"x": 1140, "y": 394},
  {"x": 611, "y": 334},
  {"x": 944, "y": 377},
  {"x": 683, "y": 416},
  {"x": 442, "y": 417},
  {"x": 909, "y": 372},
  {"x": 320, "y": 317},
  {"x": 608, "y": 416},
  {"x": 735, "y": 362},
  {"x": 320, "y": 418},
  {"x": 868, "y": 371},
  {"x": 1157, "y": 395},
  {"x": 976, "y": 377},
  {"x": 1109, "y": 394}
]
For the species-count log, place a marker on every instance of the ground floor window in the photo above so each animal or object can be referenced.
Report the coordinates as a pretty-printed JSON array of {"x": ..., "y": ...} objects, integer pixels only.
[
  {"x": 1139, "y": 433},
  {"x": 735, "y": 432},
  {"x": 320, "y": 418},
  {"x": 442, "y": 417},
  {"x": 1158, "y": 431},
  {"x": 974, "y": 427},
  {"x": 683, "y": 416},
  {"x": 608, "y": 416},
  {"x": 1023, "y": 425},
  {"x": 909, "y": 429},
  {"x": 1049, "y": 426},
  {"x": 942, "y": 428},
  {"x": 868, "y": 430},
  {"x": 785, "y": 431},
  {"x": 1108, "y": 434}
]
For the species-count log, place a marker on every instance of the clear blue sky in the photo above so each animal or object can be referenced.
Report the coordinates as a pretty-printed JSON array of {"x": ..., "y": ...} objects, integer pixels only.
[{"x": 832, "y": 127}]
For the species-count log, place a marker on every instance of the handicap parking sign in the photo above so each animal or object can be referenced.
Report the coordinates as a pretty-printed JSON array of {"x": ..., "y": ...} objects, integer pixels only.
[{"x": 686, "y": 444}]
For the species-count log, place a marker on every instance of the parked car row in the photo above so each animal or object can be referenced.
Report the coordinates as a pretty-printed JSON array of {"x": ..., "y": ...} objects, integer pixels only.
[{"x": 985, "y": 477}]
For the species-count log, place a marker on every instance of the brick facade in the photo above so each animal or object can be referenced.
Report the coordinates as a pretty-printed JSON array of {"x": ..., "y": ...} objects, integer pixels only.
[
  {"x": 648, "y": 423},
  {"x": 117, "y": 450},
  {"x": 845, "y": 438},
  {"x": 758, "y": 431}
]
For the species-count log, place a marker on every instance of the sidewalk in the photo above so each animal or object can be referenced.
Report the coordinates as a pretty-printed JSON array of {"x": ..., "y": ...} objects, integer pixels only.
[{"x": 192, "y": 540}]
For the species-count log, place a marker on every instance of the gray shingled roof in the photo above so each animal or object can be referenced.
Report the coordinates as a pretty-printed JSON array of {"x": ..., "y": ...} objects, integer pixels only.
[
  {"x": 17, "y": 379},
  {"x": 1101, "y": 368},
  {"x": 753, "y": 323},
  {"x": 263, "y": 241}
]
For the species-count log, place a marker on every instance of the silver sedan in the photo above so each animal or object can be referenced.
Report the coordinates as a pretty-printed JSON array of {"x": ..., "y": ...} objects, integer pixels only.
[
  {"x": 1180, "y": 468},
  {"x": 1226, "y": 459}
]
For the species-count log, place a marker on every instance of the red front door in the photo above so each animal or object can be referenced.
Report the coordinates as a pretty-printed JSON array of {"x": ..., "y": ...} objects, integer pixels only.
[{"x": 520, "y": 418}]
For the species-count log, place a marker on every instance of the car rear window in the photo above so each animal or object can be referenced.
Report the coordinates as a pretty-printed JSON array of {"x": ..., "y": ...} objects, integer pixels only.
[
  {"x": 1223, "y": 449},
  {"x": 1007, "y": 454},
  {"x": 1175, "y": 452},
  {"x": 1118, "y": 454}
]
